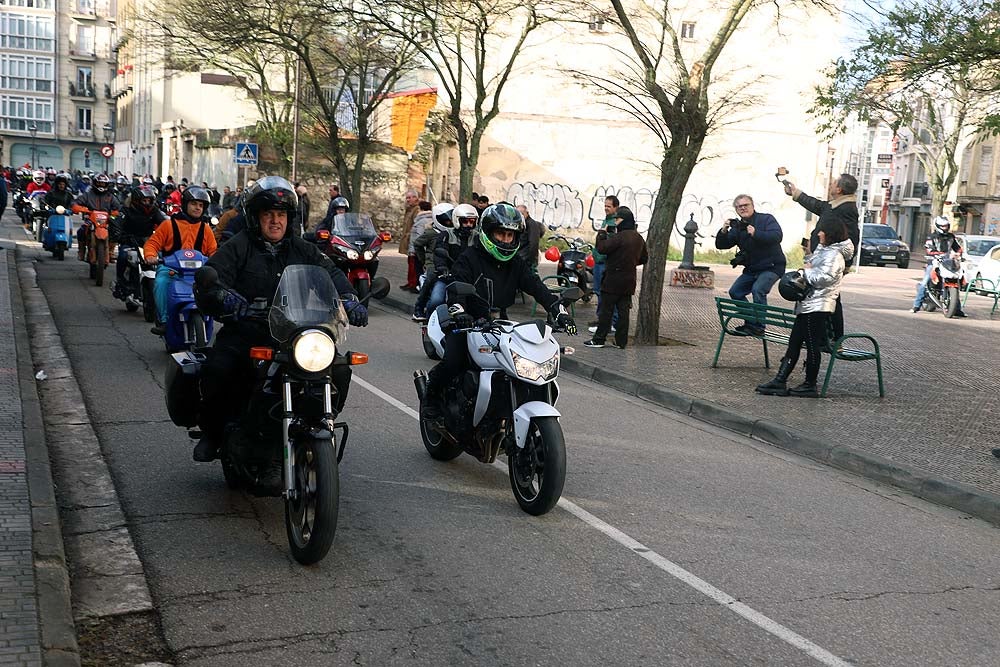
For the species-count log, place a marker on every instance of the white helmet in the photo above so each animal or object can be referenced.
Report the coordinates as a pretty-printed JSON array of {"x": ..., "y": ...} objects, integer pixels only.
[
  {"x": 442, "y": 216},
  {"x": 465, "y": 211},
  {"x": 38, "y": 176},
  {"x": 942, "y": 223}
]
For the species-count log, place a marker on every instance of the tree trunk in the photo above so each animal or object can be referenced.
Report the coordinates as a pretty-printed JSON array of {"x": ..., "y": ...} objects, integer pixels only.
[{"x": 675, "y": 170}]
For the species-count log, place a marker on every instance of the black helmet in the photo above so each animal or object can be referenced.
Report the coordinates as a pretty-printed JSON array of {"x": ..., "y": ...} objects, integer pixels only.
[
  {"x": 500, "y": 216},
  {"x": 341, "y": 202},
  {"x": 195, "y": 194},
  {"x": 793, "y": 286},
  {"x": 62, "y": 177},
  {"x": 142, "y": 193},
  {"x": 101, "y": 183},
  {"x": 267, "y": 194}
]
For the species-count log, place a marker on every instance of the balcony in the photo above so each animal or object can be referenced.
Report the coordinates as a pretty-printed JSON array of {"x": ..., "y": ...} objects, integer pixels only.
[
  {"x": 77, "y": 52},
  {"x": 82, "y": 91},
  {"x": 81, "y": 132},
  {"x": 919, "y": 191}
]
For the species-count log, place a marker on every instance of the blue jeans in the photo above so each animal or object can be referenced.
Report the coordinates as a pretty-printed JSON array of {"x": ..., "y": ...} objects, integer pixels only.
[
  {"x": 598, "y": 277},
  {"x": 922, "y": 286},
  {"x": 438, "y": 295},
  {"x": 161, "y": 292},
  {"x": 756, "y": 284}
]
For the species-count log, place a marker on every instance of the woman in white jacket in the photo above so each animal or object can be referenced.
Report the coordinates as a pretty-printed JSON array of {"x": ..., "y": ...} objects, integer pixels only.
[{"x": 824, "y": 270}]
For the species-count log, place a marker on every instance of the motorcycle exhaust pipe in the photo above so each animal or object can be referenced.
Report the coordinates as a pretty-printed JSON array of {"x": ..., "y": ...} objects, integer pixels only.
[{"x": 420, "y": 382}]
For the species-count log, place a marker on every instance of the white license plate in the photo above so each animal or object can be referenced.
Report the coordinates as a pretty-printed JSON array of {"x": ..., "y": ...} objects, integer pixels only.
[
  {"x": 888, "y": 257},
  {"x": 190, "y": 264}
]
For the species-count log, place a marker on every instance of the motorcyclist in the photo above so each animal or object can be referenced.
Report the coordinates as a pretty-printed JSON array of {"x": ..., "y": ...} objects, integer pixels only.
[
  {"x": 38, "y": 182},
  {"x": 60, "y": 195},
  {"x": 337, "y": 206},
  {"x": 449, "y": 243},
  {"x": 139, "y": 220},
  {"x": 99, "y": 197},
  {"x": 187, "y": 229},
  {"x": 491, "y": 264},
  {"x": 249, "y": 266},
  {"x": 940, "y": 243}
]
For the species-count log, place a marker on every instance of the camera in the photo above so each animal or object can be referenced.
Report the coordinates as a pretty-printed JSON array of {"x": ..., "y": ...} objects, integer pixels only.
[{"x": 740, "y": 259}]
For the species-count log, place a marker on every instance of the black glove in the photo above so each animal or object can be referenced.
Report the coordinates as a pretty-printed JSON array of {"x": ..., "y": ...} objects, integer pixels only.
[
  {"x": 566, "y": 323},
  {"x": 446, "y": 278},
  {"x": 234, "y": 306},
  {"x": 357, "y": 314},
  {"x": 463, "y": 321}
]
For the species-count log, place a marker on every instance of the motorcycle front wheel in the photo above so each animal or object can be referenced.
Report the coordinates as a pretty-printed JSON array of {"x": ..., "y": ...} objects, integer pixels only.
[
  {"x": 199, "y": 330},
  {"x": 100, "y": 259},
  {"x": 363, "y": 288},
  {"x": 952, "y": 300},
  {"x": 311, "y": 518},
  {"x": 538, "y": 471},
  {"x": 148, "y": 305},
  {"x": 429, "y": 348}
]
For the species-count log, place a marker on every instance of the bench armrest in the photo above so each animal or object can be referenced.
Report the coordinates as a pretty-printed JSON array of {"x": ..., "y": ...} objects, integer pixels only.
[{"x": 840, "y": 341}]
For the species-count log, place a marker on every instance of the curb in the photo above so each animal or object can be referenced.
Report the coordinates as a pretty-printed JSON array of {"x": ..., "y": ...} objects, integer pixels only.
[
  {"x": 924, "y": 485},
  {"x": 106, "y": 574},
  {"x": 52, "y": 586}
]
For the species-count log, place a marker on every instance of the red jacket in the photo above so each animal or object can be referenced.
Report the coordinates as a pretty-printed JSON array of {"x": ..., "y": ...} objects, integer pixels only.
[{"x": 35, "y": 187}]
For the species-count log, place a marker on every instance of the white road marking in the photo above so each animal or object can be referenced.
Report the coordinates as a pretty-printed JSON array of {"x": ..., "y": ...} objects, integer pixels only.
[{"x": 769, "y": 625}]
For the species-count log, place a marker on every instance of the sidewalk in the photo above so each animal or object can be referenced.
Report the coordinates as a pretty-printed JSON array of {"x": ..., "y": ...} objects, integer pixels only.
[{"x": 930, "y": 435}]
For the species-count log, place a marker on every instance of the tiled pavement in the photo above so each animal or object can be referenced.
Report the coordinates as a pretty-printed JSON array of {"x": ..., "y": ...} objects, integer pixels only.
[
  {"x": 19, "y": 632},
  {"x": 940, "y": 413}
]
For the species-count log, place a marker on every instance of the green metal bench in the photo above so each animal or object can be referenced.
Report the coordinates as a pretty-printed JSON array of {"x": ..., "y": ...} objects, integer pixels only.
[
  {"x": 778, "y": 323},
  {"x": 979, "y": 286}
]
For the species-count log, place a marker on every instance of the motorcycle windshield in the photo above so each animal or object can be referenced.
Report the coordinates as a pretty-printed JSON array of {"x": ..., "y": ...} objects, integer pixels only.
[
  {"x": 353, "y": 226},
  {"x": 306, "y": 297}
]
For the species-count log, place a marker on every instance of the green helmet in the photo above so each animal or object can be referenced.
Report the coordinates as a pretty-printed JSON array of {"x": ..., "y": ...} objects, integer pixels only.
[{"x": 500, "y": 216}]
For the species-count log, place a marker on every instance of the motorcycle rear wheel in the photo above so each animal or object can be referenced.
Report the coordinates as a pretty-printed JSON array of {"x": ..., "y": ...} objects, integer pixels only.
[
  {"x": 311, "y": 518},
  {"x": 148, "y": 305},
  {"x": 59, "y": 254},
  {"x": 952, "y": 301},
  {"x": 200, "y": 330},
  {"x": 131, "y": 306},
  {"x": 437, "y": 445},
  {"x": 233, "y": 479},
  {"x": 538, "y": 471},
  {"x": 100, "y": 259}
]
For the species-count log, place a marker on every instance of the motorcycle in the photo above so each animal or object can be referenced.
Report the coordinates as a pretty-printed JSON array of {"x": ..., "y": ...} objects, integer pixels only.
[
  {"x": 575, "y": 265},
  {"x": 354, "y": 245},
  {"x": 291, "y": 408},
  {"x": 94, "y": 242},
  {"x": 136, "y": 290},
  {"x": 35, "y": 212},
  {"x": 186, "y": 327},
  {"x": 57, "y": 236},
  {"x": 22, "y": 206},
  {"x": 506, "y": 402},
  {"x": 948, "y": 279}
]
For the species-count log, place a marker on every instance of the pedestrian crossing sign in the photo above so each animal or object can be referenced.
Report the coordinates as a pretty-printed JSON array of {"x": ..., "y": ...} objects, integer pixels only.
[{"x": 246, "y": 155}]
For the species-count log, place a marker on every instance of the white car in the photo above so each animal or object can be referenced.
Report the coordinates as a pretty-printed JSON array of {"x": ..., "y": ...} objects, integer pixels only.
[
  {"x": 989, "y": 266},
  {"x": 976, "y": 248}
]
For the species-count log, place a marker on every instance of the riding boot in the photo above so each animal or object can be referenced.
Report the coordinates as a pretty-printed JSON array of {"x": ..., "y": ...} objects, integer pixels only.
[
  {"x": 806, "y": 390},
  {"x": 778, "y": 386},
  {"x": 430, "y": 408}
]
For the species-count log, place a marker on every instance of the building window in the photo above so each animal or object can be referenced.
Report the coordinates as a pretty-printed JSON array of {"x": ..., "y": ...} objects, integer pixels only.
[
  {"x": 985, "y": 165},
  {"x": 22, "y": 72},
  {"x": 596, "y": 23},
  {"x": 30, "y": 33},
  {"x": 30, "y": 4},
  {"x": 85, "y": 6},
  {"x": 966, "y": 165},
  {"x": 84, "y": 81},
  {"x": 687, "y": 30},
  {"x": 84, "y": 120},
  {"x": 84, "y": 39},
  {"x": 18, "y": 112}
]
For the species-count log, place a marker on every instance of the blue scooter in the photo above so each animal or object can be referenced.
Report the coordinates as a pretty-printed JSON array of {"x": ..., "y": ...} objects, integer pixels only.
[
  {"x": 57, "y": 237},
  {"x": 186, "y": 328}
]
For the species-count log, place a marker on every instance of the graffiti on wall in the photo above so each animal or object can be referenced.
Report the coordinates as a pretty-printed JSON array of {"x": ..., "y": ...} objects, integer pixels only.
[
  {"x": 550, "y": 203},
  {"x": 640, "y": 202}
]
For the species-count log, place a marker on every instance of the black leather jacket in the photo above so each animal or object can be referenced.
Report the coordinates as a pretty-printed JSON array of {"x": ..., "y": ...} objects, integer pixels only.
[
  {"x": 497, "y": 283},
  {"x": 939, "y": 242},
  {"x": 138, "y": 226}
]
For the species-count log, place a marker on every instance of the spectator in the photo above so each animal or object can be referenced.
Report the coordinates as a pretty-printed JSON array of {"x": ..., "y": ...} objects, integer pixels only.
[
  {"x": 215, "y": 208},
  {"x": 758, "y": 236},
  {"x": 482, "y": 203},
  {"x": 611, "y": 213},
  {"x": 228, "y": 198},
  {"x": 327, "y": 221},
  {"x": 841, "y": 206},
  {"x": 404, "y": 241},
  {"x": 421, "y": 234},
  {"x": 302, "y": 212},
  {"x": 533, "y": 233},
  {"x": 625, "y": 250}
]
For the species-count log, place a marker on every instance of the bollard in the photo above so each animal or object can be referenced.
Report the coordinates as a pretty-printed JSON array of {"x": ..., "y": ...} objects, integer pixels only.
[{"x": 689, "y": 235}]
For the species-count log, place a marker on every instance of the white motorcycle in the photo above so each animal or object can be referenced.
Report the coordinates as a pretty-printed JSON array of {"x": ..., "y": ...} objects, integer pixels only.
[
  {"x": 948, "y": 279},
  {"x": 506, "y": 401}
]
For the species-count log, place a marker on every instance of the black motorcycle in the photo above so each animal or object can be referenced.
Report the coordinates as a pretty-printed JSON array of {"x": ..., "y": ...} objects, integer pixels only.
[
  {"x": 136, "y": 290},
  {"x": 291, "y": 414},
  {"x": 575, "y": 264}
]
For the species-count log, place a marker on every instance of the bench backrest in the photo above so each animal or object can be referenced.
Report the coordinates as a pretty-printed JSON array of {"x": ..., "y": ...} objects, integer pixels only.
[{"x": 772, "y": 316}]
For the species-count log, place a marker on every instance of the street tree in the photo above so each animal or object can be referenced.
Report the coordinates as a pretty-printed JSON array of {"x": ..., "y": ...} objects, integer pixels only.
[
  {"x": 347, "y": 65},
  {"x": 897, "y": 75},
  {"x": 473, "y": 46}
]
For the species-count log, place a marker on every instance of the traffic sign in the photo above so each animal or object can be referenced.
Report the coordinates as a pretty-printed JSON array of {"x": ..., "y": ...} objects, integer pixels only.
[
  {"x": 107, "y": 150},
  {"x": 246, "y": 155}
]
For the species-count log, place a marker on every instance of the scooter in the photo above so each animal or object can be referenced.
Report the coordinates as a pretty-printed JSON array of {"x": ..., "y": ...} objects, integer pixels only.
[
  {"x": 57, "y": 237},
  {"x": 186, "y": 327},
  {"x": 354, "y": 245},
  {"x": 575, "y": 264},
  {"x": 505, "y": 403},
  {"x": 948, "y": 279},
  {"x": 292, "y": 411}
]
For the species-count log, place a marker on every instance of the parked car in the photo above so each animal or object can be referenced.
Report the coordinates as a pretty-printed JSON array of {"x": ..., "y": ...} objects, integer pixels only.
[
  {"x": 880, "y": 246},
  {"x": 989, "y": 267},
  {"x": 976, "y": 248}
]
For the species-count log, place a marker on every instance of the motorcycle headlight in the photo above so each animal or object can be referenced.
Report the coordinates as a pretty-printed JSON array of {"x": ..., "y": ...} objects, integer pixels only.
[
  {"x": 352, "y": 254},
  {"x": 369, "y": 255},
  {"x": 313, "y": 351},
  {"x": 532, "y": 370}
]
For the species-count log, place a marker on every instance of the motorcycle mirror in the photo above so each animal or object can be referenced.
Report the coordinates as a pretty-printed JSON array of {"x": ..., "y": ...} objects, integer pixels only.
[
  {"x": 309, "y": 236},
  {"x": 571, "y": 294},
  {"x": 457, "y": 289},
  {"x": 206, "y": 277}
]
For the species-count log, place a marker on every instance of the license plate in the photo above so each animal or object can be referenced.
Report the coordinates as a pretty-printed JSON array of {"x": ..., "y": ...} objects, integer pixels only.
[
  {"x": 888, "y": 257},
  {"x": 573, "y": 279},
  {"x": 190, "y": 264}
]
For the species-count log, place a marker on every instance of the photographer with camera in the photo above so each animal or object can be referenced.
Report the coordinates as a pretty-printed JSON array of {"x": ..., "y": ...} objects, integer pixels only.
[{"x": 758, "y": 236}]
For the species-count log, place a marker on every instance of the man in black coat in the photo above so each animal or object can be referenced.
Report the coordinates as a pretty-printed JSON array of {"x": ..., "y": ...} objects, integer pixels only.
[
  {"x": 249, "y": 266},
  {"x": 625, "y": 250},
  {"x": 533, "y": 233},
  {"x": 842, "y": 207}
]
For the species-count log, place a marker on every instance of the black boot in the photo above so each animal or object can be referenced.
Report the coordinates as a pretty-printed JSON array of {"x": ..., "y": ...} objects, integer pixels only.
[
  {"x": 778, "y": 386},
  {"x": 206, "y": 450},
  {"x": 430, "y": 402},
  {"x": 806, "y": 390}
]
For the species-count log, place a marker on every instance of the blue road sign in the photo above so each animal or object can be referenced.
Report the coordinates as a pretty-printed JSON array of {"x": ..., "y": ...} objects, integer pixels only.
[{"x": 246, "y": 155}]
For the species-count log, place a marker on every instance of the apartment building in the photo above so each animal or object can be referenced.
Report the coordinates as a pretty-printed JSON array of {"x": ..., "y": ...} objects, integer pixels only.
[
  {"x": 978, "y": 199},
  {"x": 55, "y": 66}
]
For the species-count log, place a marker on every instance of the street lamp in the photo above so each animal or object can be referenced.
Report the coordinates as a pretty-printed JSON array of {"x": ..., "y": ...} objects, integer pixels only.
[
  {"x": 109, "y": 133},
  {"x": 33, "y": 130}
]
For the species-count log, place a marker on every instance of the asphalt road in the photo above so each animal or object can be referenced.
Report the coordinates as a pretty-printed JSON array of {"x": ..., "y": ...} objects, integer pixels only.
[{"x": 435, "y": 564}]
